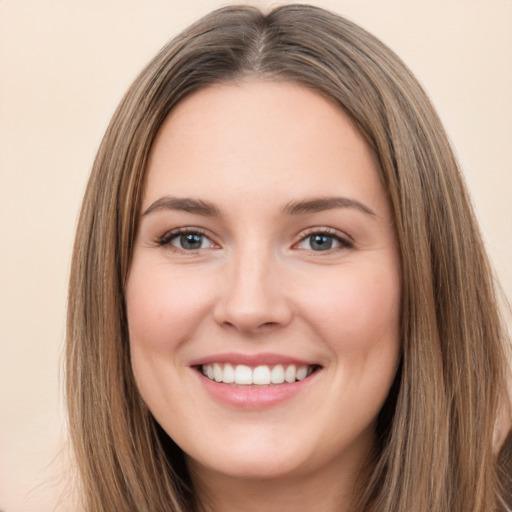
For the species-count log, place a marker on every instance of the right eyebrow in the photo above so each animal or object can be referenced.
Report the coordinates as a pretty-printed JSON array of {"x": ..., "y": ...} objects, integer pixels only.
[
  {"x": 326, "y": 203},
  {"x": 184, "y": 204}
]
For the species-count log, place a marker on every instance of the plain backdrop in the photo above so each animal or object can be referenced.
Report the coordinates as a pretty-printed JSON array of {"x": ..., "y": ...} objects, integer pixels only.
[{"x": 64, "y": 66}]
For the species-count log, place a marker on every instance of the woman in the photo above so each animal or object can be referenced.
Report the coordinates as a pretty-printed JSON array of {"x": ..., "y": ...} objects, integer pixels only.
[{"x": 279, "y": 297}]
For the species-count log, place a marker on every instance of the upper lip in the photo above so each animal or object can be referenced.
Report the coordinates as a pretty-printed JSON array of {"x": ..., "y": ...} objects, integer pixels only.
[{"x": 266, "y": 358}]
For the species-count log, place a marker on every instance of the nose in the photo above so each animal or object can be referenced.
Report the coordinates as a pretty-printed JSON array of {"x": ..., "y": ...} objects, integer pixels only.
[{"x": 252, "y": 298}]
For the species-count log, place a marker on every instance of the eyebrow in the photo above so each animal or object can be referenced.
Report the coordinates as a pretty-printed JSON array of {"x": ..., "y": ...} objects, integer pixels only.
[
  {"x": 205, "y": 208},
  {"x": 325, "y": 203},
  {"x": 184, "y": 204}
]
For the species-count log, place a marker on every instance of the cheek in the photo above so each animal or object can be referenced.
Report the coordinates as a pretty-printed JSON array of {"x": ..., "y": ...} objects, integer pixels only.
[
  {"x": 163, "y": 309},
  {"x": 359, "y": 321},
  {"x": 365, "y": 337},
  {"x": 357, "y": 310}
]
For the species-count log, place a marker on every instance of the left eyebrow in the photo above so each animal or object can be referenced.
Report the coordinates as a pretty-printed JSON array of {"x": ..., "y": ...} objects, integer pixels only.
[
  {"x": 320, "y": 204},
  {"x": 184, "y": 204}
]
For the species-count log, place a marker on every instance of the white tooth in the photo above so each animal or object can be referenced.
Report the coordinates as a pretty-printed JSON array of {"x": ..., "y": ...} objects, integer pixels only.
[
  {"x": 243, "y": 374},
  {"x": 261, "y": 375},
  {"x": 229, "y": 374},
  {"x": 289, "y": 374},
  {"x": 217, "y": 372},
  {"x": 302, "y": 372},
  {"x": 277, "y": 374},
  {"x": 209, "y": 372}
]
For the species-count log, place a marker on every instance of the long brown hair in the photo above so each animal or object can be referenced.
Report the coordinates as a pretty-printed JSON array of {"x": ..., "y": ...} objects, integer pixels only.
[{"x": 434, "y": 450}]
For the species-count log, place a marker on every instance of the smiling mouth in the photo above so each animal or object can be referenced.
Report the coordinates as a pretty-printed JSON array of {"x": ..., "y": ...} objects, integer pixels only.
[{"x": 262, "y": 375}]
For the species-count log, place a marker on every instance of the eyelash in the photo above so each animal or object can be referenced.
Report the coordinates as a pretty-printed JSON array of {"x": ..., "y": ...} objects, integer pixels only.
[
  {"x": 166, "y": 239},
  {"x": 344, "y": 243}
]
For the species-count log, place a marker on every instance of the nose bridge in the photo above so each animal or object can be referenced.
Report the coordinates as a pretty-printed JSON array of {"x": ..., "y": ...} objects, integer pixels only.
[
  {"x": 251, "y": 275},
  {"x": 252, "y": 293}
]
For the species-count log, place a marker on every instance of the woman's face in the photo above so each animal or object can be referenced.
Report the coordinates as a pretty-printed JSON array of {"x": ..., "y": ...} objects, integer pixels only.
[{"x": 263, "y": 297}]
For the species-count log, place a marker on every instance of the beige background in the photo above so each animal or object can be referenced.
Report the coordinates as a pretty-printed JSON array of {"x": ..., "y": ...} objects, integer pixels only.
[{"x": 64, "y": 66}]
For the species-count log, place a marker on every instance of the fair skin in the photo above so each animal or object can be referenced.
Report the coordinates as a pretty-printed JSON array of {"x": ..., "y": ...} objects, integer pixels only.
[{"x": 286, "y": 260}]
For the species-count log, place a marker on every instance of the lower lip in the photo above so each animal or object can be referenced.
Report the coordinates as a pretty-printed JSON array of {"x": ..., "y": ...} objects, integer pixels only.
[{"x": 255, "y": 397}]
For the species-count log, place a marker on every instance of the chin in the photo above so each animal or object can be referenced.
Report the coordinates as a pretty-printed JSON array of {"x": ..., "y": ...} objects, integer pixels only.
[
  {"x": 252, "y": 455},
  {"x": 252, "y": 466}
]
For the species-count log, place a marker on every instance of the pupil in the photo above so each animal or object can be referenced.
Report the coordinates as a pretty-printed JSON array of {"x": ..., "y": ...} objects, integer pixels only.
[
  {"x": 321, "y": 242},
  {"x": 191, "y": 241}
]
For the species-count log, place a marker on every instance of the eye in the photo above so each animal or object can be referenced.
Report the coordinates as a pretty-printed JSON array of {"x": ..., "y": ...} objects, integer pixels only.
[
  {"x": 186, "y": 240},
  {"x": 323, "y": 241}
]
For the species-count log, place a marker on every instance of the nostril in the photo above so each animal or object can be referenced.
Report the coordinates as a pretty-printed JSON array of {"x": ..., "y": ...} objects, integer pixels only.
[
  {"x": 247, "y": 315},
  {"x": 249, "y": 326}
]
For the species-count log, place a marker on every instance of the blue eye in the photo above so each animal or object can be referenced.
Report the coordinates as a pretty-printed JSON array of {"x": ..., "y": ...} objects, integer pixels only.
[
  {"x": 186, "y": 241},
  {"x": 189, "y": 241},
  {"x": 322, "y": 241}
]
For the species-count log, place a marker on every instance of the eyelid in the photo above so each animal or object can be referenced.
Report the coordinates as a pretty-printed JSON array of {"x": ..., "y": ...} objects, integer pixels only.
[
  {"x": 345, "y": 240},
  {"x": 165, "y": 239}
]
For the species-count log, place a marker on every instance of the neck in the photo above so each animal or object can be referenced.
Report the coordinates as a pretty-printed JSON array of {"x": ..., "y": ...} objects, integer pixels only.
[{"x": 329, "y": 489}]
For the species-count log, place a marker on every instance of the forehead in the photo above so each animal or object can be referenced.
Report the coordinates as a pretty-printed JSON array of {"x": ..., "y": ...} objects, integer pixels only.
[{"x": 260, "y": 137}]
